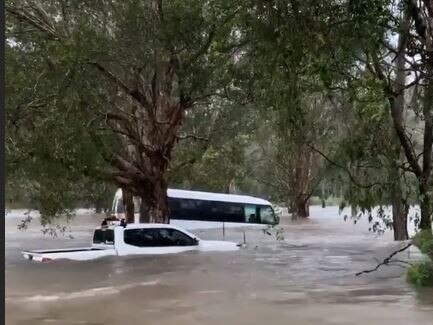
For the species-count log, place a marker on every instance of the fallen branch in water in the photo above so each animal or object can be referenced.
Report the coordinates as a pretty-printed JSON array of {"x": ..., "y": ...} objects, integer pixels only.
[{"x": 388, "y": 260}]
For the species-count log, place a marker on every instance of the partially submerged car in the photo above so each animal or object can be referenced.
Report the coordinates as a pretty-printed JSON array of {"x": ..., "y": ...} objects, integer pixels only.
[{"x": 134, "y": 239}]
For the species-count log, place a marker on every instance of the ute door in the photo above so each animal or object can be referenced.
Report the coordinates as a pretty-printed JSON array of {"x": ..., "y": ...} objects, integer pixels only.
[{"x": 154, "y": 241}]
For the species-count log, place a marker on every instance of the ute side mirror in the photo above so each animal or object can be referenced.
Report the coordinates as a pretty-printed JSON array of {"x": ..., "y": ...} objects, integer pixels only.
[{"x": 195, "y": 241}]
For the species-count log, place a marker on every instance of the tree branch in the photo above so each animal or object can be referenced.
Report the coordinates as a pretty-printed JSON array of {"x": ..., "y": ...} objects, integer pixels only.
[
  {"x": 41, "y": 25},
  {"x": 133, "y": 93},
  {"x": 387, "y": 260},
  {"x": 352, "y": 178}
]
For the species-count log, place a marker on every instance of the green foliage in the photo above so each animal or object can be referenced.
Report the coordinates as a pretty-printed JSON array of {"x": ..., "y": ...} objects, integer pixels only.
[
  {"x": 269, "y": 80},
  {"x": 424, "y": 241},
  {"x": 421, "y": 274},
  {"x": 58, "y": 148}
]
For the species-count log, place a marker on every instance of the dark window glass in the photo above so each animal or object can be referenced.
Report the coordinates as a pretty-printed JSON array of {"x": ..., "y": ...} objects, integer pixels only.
[
  {"x": 140, "y": 237},
  {"x": 157, "y": 238},
  {"x": 174, "y": 237},
  {"x": 250, "y": 212},
  {"x": 186, "y": 209},
  {"x": 267, "y": 215},
  {"x": 103, "y": 236}
]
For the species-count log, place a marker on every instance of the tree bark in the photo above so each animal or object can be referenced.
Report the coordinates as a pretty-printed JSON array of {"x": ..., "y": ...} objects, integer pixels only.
[
  {"x": 425, "y": 180},
  {"x": 399, "y": 214},
  {"x": 425, "y": 206},
  {"x": 300, "y": 208},
  {"x": 154, "y": 204},
  {"x": 128, "y": 204},
  {"x": 301, "y": 173},
  {"x": 144, "y": 213},
  {"x": 399, "y": 206}
]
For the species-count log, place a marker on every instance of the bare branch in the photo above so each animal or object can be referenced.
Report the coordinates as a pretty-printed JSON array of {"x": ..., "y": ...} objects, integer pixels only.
[
  {"x": 352, "y": 178},
  {"x": 387, "y": 260}
]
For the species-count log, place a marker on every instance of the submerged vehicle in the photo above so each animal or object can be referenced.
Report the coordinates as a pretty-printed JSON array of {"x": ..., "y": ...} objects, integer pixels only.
[
  {"x": 117, "y": 239},
  {"x": 208, "y": 207}
]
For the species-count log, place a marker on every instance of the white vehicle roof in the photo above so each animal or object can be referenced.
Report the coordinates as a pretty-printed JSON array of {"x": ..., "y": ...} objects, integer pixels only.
[{"x": 198, "y": 195}]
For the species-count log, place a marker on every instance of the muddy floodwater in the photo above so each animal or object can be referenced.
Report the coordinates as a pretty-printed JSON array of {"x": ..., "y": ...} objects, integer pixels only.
[{"x": 307, "y": 278}]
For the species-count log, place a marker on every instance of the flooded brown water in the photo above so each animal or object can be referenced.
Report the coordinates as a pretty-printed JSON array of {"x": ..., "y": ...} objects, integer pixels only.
[{"x": 308, "y": 278}]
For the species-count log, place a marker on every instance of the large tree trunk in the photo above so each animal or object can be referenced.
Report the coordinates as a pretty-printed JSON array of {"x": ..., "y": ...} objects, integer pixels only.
[
  {"x": 300, "y": 207},
  {"x": 301, "y": 187},
  {"x": 154, "y": 204},
  {"x": 128, "y": 204}
]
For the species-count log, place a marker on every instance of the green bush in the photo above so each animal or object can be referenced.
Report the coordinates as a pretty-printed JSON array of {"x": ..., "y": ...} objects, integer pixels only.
[
  {"x": 424, "y": 241},
  {"x": 421, "y": 274}
]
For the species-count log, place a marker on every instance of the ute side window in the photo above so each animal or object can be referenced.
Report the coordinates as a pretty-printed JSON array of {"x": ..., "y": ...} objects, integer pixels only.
[
  {"x": 156, "y": 237},
  {"x": 140, "y": 237},
  {"x": 103, "y": 236},
  {"x": 177, "y": 238}
]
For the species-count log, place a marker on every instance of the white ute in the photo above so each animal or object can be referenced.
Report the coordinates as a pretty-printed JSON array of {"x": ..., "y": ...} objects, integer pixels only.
[{"x": 134, "y": 239}]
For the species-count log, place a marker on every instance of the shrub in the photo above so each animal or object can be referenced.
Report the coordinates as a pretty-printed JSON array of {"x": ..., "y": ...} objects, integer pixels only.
[
  {"x": 424, "y": 241},
  {"x": 421, "y": 274}
]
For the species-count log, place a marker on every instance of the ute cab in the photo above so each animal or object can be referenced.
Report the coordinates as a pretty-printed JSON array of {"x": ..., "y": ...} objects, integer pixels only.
[{"x": 116, "y": 238}]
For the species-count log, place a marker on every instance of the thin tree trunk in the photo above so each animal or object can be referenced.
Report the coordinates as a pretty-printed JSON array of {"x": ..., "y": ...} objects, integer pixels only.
[
  {"x": 399, "y": 214},
  {"x": 353, "y": 210},
  {"x": 128, "y": 203},
  {"x": 399, "y": 206},
  {"x": 98, "y": 207},
  {"x": 289, "y": 206},
  {"x": 425, "y": 180},
  {"x": 425, "y": 206},
  {"x": 399, "y": 209},
  {"x": 322, "y": 192}
]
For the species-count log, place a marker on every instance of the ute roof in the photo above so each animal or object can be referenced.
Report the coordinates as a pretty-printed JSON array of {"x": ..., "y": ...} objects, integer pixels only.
[{"x": 210, "y": 196}]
